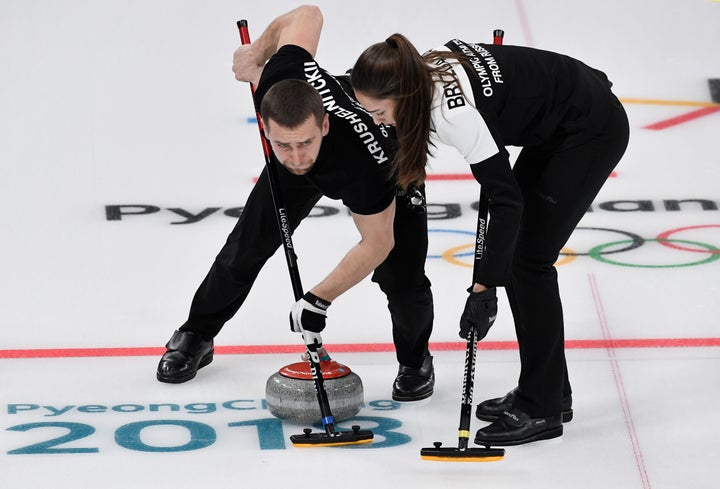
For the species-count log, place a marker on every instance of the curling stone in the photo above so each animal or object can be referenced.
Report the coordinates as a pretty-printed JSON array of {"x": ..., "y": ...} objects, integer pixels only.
[{"x": 290, "y": 392}]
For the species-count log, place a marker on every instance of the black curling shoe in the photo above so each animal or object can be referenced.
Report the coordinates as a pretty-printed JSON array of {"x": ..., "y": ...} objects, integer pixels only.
[
  {"x": 515, "y": 427},
  {"x": 413, "y": 384},
  {"x": 187, "y": 352},
  {"x": 491, "y": 409}
]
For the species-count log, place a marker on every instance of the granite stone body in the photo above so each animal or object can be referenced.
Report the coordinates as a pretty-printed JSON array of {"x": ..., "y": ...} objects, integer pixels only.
[{"x": 290, "y": 392}]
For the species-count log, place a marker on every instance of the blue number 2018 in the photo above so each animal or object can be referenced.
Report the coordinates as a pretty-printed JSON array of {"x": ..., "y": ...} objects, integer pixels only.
[{"x": 200, "y": 435}]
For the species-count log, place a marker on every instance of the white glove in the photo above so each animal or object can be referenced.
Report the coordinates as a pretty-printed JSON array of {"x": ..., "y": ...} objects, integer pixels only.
[{"x": 307, "y": 316}]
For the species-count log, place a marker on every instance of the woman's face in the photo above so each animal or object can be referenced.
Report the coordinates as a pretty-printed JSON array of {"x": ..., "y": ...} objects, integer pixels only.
[{"x": 382, "y": 110}]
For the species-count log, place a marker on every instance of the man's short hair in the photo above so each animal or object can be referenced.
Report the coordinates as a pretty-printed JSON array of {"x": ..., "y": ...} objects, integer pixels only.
[{"x": 289, "y": 103}]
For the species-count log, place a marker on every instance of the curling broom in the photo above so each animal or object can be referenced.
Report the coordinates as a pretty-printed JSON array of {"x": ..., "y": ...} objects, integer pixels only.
[
  {"x": 462, "y": 453},
  {"x": 330, "y": 437}
]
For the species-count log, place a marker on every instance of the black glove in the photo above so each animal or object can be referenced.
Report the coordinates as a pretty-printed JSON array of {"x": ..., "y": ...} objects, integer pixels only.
[
  {"x": 309, "y": 314},
  {"x": 480, "y": 312}
]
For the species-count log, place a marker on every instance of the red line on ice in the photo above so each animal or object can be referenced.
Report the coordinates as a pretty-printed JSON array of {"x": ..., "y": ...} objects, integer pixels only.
[{"x": 356, "y": 348}]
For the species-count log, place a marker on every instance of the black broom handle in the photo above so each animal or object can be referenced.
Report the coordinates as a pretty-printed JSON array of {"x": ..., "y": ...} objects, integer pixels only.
[
  {"x": 471, "y": 347},
  {"x": 291, "y": 258}
]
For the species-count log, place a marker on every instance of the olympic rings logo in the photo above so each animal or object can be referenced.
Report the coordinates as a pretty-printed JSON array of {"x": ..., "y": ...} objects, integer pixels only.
[{"x": 605, "y": 252}]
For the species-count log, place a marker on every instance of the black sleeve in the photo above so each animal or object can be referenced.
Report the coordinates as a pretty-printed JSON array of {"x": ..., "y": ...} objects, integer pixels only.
[
  {"x": 505, "y": 204},
  {"x": 285, "y": 64}
]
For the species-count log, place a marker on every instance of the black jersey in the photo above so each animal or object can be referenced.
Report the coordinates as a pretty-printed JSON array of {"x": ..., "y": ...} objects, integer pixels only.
[
  {"x": 354, "y": 160},
  {"x": 535, "y": 96},
  {"x": 509, "y": 95}
]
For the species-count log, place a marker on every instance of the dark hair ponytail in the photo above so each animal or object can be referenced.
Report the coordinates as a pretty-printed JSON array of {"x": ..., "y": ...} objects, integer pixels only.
[{"x": 394, "y": 69}]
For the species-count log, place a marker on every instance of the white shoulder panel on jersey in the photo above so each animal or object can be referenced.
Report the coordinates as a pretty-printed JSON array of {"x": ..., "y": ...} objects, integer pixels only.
[{"x": 457, "y": 122}]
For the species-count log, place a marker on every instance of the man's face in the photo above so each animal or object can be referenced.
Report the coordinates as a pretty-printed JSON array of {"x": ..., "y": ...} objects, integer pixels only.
[{"x": 297, "y": 148}]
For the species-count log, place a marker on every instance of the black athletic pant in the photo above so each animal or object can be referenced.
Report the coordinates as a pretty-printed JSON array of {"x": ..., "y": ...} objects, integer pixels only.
[
  {"x": 255, "y": 238},
  {"x": 402, "y": 278},
  {"x": 558, "y": 187}
]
